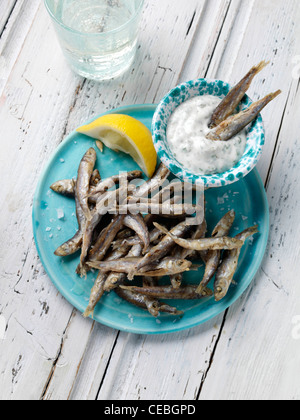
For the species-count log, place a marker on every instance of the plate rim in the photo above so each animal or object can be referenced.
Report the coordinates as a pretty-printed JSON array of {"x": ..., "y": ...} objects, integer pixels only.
[{"x": 264, "y": 237}]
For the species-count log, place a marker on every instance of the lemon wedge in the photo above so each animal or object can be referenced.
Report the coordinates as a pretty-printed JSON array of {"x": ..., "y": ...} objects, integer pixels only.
[{"x": 126, "y": 134}]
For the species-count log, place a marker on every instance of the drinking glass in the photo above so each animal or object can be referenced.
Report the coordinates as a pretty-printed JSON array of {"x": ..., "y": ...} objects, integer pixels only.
[{"x": 98, "y": 37}]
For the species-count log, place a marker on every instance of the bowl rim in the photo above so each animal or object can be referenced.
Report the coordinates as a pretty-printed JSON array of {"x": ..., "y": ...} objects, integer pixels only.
[{"x": 231, "y": 176}]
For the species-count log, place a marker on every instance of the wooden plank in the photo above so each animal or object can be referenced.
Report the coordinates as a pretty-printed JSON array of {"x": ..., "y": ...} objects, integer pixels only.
[
  {"x": 215, "y": 16},
  {"x": 32, "y": 340},
  {"x": 17, "y": 26},
  {"x": 33, "y": 117},
  {"x": 94, "y": 363},
  {"x": 63, "y": 372},
  {"x": 6, "y": 9},
  {"x": 257, "y": 356},
  {"x": 169, "y": 367}
]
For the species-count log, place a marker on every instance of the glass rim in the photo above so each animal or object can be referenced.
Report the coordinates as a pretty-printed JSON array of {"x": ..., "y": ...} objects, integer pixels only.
[{"x": 66, "y": 27}]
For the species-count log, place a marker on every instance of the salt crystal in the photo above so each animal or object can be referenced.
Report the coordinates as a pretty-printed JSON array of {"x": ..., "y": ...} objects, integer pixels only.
[
  {"x": 158, "y": 321},
  {"x": 51, "y": 236},
  {"x": 60, "y": 214},
  {"x": 62, "y": 160},
  {"x": 48, "y": 229},
  {"x": 118, "y": 301}
]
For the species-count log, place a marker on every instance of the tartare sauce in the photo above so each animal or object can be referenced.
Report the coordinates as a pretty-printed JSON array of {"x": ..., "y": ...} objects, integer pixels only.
[{"x": 186, "y": 132}]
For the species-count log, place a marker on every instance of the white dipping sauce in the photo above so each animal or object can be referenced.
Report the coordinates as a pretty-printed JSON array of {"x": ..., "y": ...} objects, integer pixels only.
[{"x": 186, "y": 132}]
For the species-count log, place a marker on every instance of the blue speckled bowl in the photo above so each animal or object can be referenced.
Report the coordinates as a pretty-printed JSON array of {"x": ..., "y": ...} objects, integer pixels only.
[{"x": 188, "y": 90}]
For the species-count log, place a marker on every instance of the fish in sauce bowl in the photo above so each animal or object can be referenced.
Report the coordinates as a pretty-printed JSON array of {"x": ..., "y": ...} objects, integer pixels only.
[
  {"x": 187, "y": 137},
  {"x": 207, "y": 135},
  {"x": 229, "y": 104},
  {"x": 233, "y": 125}
]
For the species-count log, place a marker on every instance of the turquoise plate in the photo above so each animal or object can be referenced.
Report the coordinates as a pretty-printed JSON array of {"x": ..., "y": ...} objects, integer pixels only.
[{"x": 54, "y": 222}]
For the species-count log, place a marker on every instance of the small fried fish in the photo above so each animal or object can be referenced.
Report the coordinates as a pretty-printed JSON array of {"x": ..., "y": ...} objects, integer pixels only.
[
  {"x": 235, "y": 124},
  {"x": 205, "y": 243},
  {"x": 229, "y": 104},
  {"x": 168, "y": 292},
  {"x": 213, "y": 257},
  {"x": 228, "y": 267}
]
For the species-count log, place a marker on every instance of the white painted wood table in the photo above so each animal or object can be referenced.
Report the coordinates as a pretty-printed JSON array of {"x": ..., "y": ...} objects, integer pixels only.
[{"x": 48, "y": 350}]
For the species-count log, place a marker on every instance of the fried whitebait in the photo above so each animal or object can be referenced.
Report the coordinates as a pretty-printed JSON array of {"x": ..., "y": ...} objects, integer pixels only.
[
  {"x": 228, "y": 267},
  {"x": 154, "y": 183},
  {"x": 235, "y": 124},
  {"x": 98, "y": 288},
  {"x": 96, "y": 294},
  {"x": 111, "y": 182},
  {"x": 138, "y": 225},
  {"x": 165, "y": 245},
  {"x": 229, "y": 104},
  {"x": 153, "y": 306},
  {"x": 199, "y": 233},
  {"x": 115, "y": 279},
  {"x": 168, "y": 292},
  {"x": 65, "y": 187},
  {"x": 74, "y": 244},
  {"x": 85, "y": 172},
  {"x": 106, "y": 238},
  {"x": 205, "y": 243},
  {"x": 90, "y": 225},
  {"x": 213, "y": 257},
  {"x": 166, "y": 267}
]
